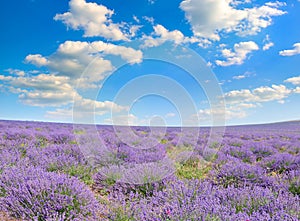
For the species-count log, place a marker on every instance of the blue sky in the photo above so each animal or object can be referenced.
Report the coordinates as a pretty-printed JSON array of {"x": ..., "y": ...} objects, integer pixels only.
[{"x": 150, "y": 62}]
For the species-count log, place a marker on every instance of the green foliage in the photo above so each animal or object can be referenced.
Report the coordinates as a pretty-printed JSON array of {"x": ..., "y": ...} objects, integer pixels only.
[
  {"x": 163, "y": 141},
  {"x": 2, "y": 192},
  {"x": 250, "y": 205},
  {"x": 120, "y": 215},
  {"x": 295, "y": 189},
  {"x": 41, "y": 141},
  {"x": 193, "y": 168},
  {"x": 214, "y": 145},
  {"x": 82, "y": 172},
  {"x": 79, "y": 132},
  {"x": 236, "y": 144}
]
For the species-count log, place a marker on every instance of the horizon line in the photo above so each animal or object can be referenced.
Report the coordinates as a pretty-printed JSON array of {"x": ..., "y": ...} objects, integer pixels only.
[{"x": 169, "y": 126}]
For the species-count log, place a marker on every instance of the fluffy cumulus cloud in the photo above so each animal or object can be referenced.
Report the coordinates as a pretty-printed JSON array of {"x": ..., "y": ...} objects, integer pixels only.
[
  {"x": 224, "y": 114},
  {"x": 77, "y": 47},
  {"x": 238, "y": 54},
  {"x": 73, "y": 63},
  {"x": 99, "y": 107},
  {"x": 293, "y": 80},
  {"x": 291, "y": 52},
  {"x": 49, "y": 90},
  {"x": 220, "y": 115},
  {"x": 296, "y": 90},
  {"x": 74, "y": 66},
  {"x": 128, "y": 54},
  {"x": 239, "y": 102},
  {"x": 64, "y": 114},
  {"x": 44, "y": 98},
  {"x": 161, "y": 35},
  {"x": 236, "y": 96},
  {"x": 258, "y": 95},
  {"x": 94, "y": 19},
  {"x": 41, "y": 90},
  {"x": 45, "y": 82},
  {"x": 209, "y": 18},
  {"x": 265, "y": 94},
  {"x": 84, "y": 62},
  {"x": 16, "y": 72},
  {"x": 36, "y": 59},
  {"x": 84, "y": 110}
]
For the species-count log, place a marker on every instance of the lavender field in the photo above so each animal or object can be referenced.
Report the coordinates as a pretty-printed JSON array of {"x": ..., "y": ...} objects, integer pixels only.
[{"x": 51, "y": 171}]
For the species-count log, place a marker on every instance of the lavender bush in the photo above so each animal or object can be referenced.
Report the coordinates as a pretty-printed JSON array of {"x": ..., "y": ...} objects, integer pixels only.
[{"x": 33, "y": 194}]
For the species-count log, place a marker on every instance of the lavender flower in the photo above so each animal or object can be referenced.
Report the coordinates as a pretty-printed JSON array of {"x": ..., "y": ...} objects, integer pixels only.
[{"x": 33, "y": 194}]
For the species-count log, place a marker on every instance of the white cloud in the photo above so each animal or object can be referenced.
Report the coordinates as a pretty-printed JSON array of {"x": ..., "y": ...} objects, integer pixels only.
[
  {"x": 238, "y": 55},
  {"x": 149, "y": 19},
  {"x": 128, "y": 54},
  {"x": 74, "y": 65},
  {"x": 48, "y": 90},
  {"x": 209, "y": 18},
  {"x": 291, "y": 52},
  {"x": 238, "y": 102},
  {"x": 276, "y": 92},
  {"x": 242, "y": 76},
  {"x": 76, "y": 48},
  {"x": 5, "y": 78},
  {"x": 133, "y": 30},
  {"x": 41, "y": 82},
  {"x": 293, "y": 80},
  {"x": 296, "y": 90},
  {"x": 162, "y": 35},
  {"x": 97, "y": 107},
  {"x": 268, "y": 44},
  {"x": 136, "y": 19},
  {"x": 36, "y": 59},
  {"x": 175, "y": 35},
  {"x": 45, "y": 98},
  {"x": 209, "y": 64},
  {"x": 94, "y": 19},
  {"x": 239, "y": 77},
  {"x": 257, "y": 95},
  {"x": 66, "y": 65},
  {"x": 221, "y": 114},
  {"x": 41, "y": 90},
  {"x": 239, "y": 2},
  {"x": 16, "y": 72},
  {"x": 60, "y": 114},
  {"x": 84, "y": 110},
  {"x": 236, "y": 96},
  {"x": 75, "y": 58}
]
